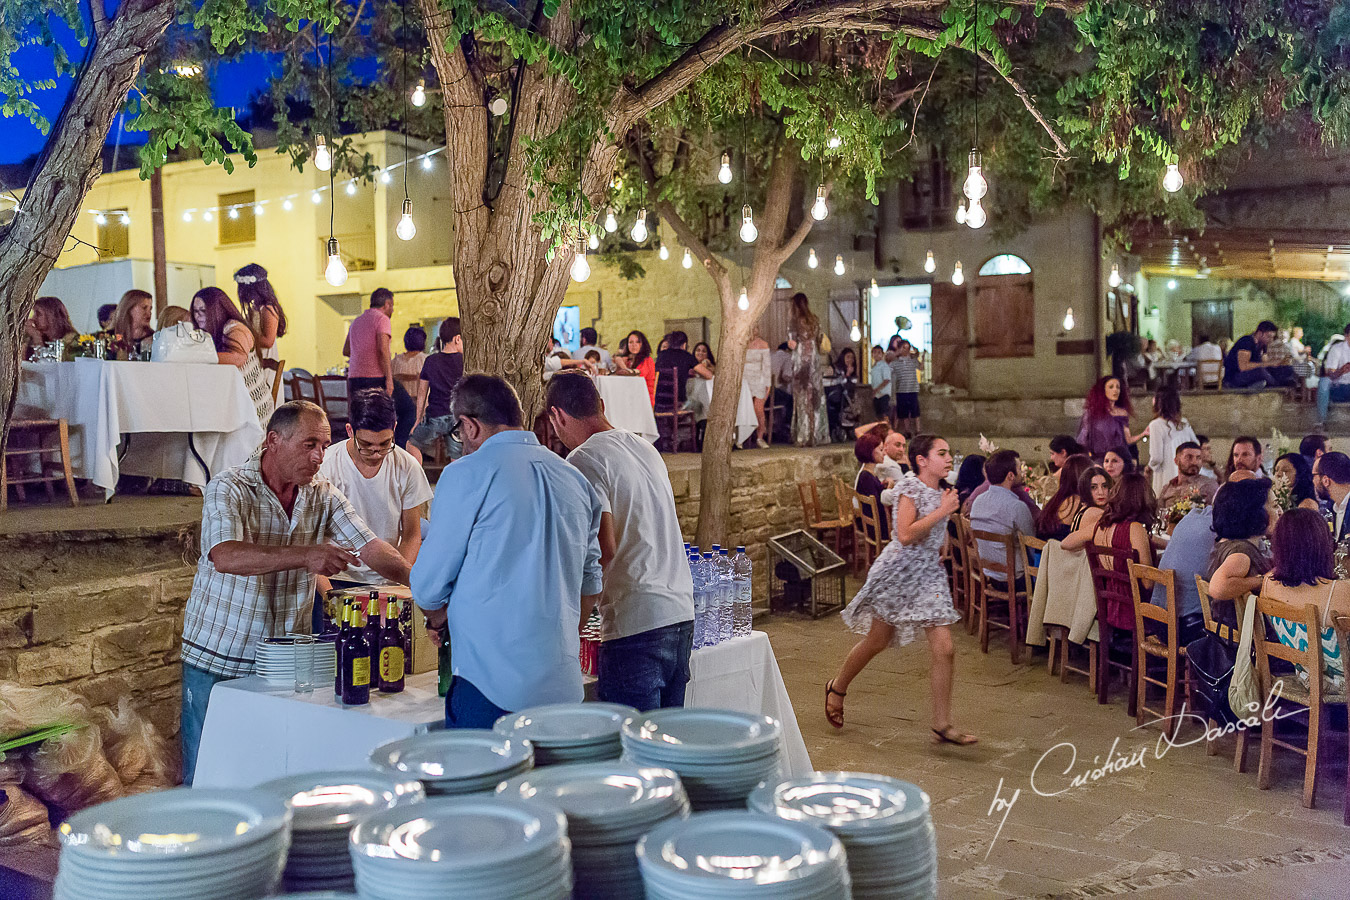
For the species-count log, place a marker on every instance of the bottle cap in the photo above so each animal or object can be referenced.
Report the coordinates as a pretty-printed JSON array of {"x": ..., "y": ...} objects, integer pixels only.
[
  {"x": 724, "y": 551},
  {"x": 740, "y": 549}
]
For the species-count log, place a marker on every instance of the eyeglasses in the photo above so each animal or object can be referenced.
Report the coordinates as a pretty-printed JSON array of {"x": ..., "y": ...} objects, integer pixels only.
[
  {"x": 454, "y": 429},
  {"x": 374, "y": 449}
]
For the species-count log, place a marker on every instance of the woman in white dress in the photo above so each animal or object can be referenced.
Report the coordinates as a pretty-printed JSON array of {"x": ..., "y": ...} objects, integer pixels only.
[
  {"x": 215, "y": 313},
  {"x": 757, "y": 373},
  {"x": 1166, "y": 432},
  {"x": 262, "y": 310},
  {"x": 907, "y": 589}
]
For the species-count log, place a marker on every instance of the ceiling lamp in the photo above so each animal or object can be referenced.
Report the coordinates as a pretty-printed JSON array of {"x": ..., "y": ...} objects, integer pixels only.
[
  {"x": 958, "y": 277},
  {"x": 639, "y": 232},
  {"x": 1172, "y": 181},
  {"x": 811, "y": 260},
  {"x": 743, "y": 301},
  {"x": 405, "y": 229},
  {"x": 1068, "y": 320},
  {"x": 336, "y": 273},
  {"x": 975, "y": 187},
  {"x": 724, "y": 173},
  {"x": 975, "y": 216},
  {"x": 611, "y": 223},
  {"x": 819, "y": 210},
  {"x": 839, "y": 264},
  {"x": 748, "y": 230},
  {"x": 1114, "y": 279},
  {"x": 855, "y": 333},
  {"x": 581, "y": 270},
  {"x": 419, "y": 94},
  {"x": 323, "y": 157},
  {"x": 688, "y": 261},
  {"x": 929, "y": 264}
]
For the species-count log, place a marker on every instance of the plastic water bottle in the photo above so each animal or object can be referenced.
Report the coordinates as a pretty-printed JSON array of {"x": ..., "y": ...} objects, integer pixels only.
[
  {"x": 711, "y": 599},
  {"x": 742, "y": 619},
  {"x": 696, "y": 571},
  {"x": 726, "y": 583}
]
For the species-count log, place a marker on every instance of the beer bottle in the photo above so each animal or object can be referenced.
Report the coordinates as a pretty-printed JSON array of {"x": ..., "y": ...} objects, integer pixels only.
[
  {"x": 343, "y": 631},
  {"x": 356, "y": 663},
  {"x": 391, "y": 652}
]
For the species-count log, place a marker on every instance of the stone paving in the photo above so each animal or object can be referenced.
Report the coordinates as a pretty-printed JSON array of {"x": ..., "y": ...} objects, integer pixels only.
[{"x": 1183, "y": 826}]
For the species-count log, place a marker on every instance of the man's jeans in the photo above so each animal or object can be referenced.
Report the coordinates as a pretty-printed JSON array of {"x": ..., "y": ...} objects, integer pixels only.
[
  {"x": 197, "y": 684},
  {"x": 466, "y": 707},
  {"x": 1328, "y": 393},
  {"x": 648, "y": 670},
  {"x": 425, "y": 434}
]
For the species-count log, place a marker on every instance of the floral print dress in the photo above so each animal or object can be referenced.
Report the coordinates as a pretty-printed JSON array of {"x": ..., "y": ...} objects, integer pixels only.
[{"x": 907, "y": 586}]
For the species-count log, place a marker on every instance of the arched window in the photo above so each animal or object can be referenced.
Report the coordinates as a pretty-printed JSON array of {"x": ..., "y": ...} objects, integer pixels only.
[
  {"x": 1006, "y": 264},
  {"x": 782, "y": 284}
]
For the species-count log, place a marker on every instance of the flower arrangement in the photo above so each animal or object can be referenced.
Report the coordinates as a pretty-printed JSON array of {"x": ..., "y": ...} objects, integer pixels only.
[
  {"x": 987, "y": 446},
  {"x": 1177, "y": 511},
  {"x": 1284, "y": 493}
]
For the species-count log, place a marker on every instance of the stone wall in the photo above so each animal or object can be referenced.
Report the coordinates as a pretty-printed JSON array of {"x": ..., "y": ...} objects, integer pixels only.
[{"x": 98, "y": 611}]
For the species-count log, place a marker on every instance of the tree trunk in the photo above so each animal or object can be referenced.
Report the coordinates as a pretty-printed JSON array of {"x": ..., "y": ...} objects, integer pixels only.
[{"x": 65, "y": 172}]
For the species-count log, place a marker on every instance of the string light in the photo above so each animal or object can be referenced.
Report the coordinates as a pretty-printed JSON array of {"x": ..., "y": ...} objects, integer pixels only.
[
  {"x": 929, "y": 264},
  {"x": 958, "y": 276},
  {"x": 1068, "y": 320},
  {"x": 839, "y": 264},
  {"x": 351, "y": 188},
  {"x": 419, "y": 94},
  {"x": 125, "y": 219},
  {"x": 100, "y": 219},
  {"x": 961, "y": 213},
  {"x": 875, "y": 291},
  {"x": 855, "y": 333},
  {"x": 257, "y": 209},
  {"x": 1172, "y": 181},
  {"x": 336, "y": 273},
  {"x": 405, "y": 229},
  {"x": 427, "y": 163},
  {"x": 385, "y": 177},
  {"x": 811, "y": 260},
  {"x": 207, "y": 217},
  {"x": 663, "y": 252},
  {"x": 234, "y": 212},
  {"x": 975, "y": 187},
  {"x": 611, "y": 223},
  {"x": 581, "y": 270},
  {"x": 287, "y": 205},
  {"x": 187, "y": 215},
  {"x": 323, "y": 157},
  {"x": 1114, "y": 280},
  {"x": 688, "y": 261},
  {"x": 743, "y": 301},
  {"x": 748, "y": 230},
  {"x": 975, "y": 216},
  {"x": 639, "y": 232},
  {"x": 498, "y": 106},
  {"x": 316, "y": 198},
  {"x": 819, "y": 210},
  {"x": 724, "y": 173}
]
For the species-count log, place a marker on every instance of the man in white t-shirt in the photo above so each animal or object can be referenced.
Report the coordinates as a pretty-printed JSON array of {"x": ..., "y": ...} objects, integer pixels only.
[
  {"x": 384, "y": 483},
  {"x": 1334, "y": 385},
  {"x": 1205, "y": 350},
  {"x": 590, "y": 340},
  {"x": 647, "y": 607}
]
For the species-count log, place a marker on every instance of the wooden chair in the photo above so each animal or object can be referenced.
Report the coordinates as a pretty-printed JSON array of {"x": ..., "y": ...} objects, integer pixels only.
[
  {"x": 1150, "y": 646},
  {"x": 867, "y": 539},
  {"x": 998, "y": 585},
  {"x": 772, "y": 408},
  {"x": 302, "y": 385},
  {"x": 331, "y": 393},
  {"x": 1291, "y": 690},
  {"x": 813, "y": 519},
  {"x": 974, "y": 577},
  {"x": 1209, "y": 374},
  {"x": 668, "y": 410},
  {"x": 35, "y": 444},
  {"x": 1342, "y": 626},
  {"x": 1032, "y": 548},
  {"x": 1223, "y": 631},
  {"x": 277, "y": 377},
  {"x": 959, "y": 561},
  {"x": 1113, "y": 586}
]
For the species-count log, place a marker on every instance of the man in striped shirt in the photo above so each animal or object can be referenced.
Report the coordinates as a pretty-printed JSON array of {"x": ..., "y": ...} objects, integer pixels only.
[
  {"x": 905, "y": 382},
  {"x": 269, "y": 528}
]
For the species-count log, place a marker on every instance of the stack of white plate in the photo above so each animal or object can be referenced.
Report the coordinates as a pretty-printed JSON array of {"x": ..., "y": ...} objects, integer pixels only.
[
  {"x": 720, "y": 755},
  {"x": 456, "y": 761},
  {"x": 316, "y": 895},
  {"x": 463, "y": 848},
  {"x": 276, "y": 659},
  {"x": 324, "y": 808},
  {"x": 569, "y": 732},
  {"x": 885, "y": 824},
  {"x": 181, "y": 844},
  {"x": 609, "y": 806},
  {"x": 711, "y": 856}
]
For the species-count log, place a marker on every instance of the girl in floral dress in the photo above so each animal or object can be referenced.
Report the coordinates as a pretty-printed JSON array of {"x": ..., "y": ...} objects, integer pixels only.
[{"x": 907, "y": 588}]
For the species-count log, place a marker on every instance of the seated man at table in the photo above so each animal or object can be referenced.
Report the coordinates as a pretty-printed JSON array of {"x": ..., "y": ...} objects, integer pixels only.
[
  {"x": 1334, "y": 385},
  {"x": 677, "y": 356},
  {"x": 1189, "y": 480},
  {"x": 512, "y": 554},
  {"x": 269, "y": 528},
  {"x": 385, "y": 485},
  {"x": 1247, "y": 365},
  {"x": 1187, "y": 555},
  {"x": 1000, "y": 510},
  {"x": 647, "y": 608}
]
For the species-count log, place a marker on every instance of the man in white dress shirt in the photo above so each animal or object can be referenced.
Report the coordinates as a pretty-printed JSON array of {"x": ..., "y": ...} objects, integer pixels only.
[
  {"x": 1205, "y": 351},
  {"x": 1331, "y": 478},
  {"x": 1334, "y": 385}
]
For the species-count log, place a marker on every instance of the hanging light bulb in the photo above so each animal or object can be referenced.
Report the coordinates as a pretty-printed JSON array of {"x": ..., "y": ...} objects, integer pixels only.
[
  {"x": 611, "y": 223},
  {"x": 929, "y": 264},
  {"x": 748, "y": 230},
  {"x": 958, "y": 277},
  {"x": 323, "y": 157},
  {"x": 207, "y": 217},
  {"x": 1171, "y": 284},
  {"x": 819, "y": 210},
  {"x": 187, "y": 216},
  {"x": 975, "y": 216},
  {"x": 385, "y": 177},
  {"x": 743, "y": 301},
  {"x": 663, "y": 252},
  {"x": 100, "y": 219},
  {"x": 688, "y": 261},
  {"x": 581, "y": 270},
  {"x": 975, "y": 187},
  {"x": 1172, "y": 181},
  {"x": 874, "y": 290},
  {"x": 287, "y": 205},
  {"x": 351, "y": 188},
  {"x": 124, "y": 219},
  {"x": 839, "y": 264},
  {"x": 855, "y": 333},
  {"x": 835, "y": 141},
  {"x": 498, "y": 106},
  {"x": 593, "y": 242},
  {"x": 257, "y": 209},
  {"x": 639, "y": 232},
  {"x": 234, "y": 212},
  {"x": 961, "y": 213},
  {"x": 336, "y": 273},
  {"x": 406, "y": 229},
  {"x": 1068, "y": 320},
  {"x": 419, "y": 94},
  {"x": 1114, "y": 280},
  {"x": 427, "y": 163},
  {"x": 724, "y": 173},
  {"x": 811, "y": 260}
]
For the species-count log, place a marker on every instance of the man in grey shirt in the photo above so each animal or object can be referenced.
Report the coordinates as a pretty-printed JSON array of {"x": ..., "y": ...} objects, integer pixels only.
[{"x": 999, "y": 511}]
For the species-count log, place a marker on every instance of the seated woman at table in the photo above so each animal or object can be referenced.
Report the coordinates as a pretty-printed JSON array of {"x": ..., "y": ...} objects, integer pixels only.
[
  {"x": 1297, "y": 472},
  {"x": 1124, "y": 521},
  {"x": 1062, "y": 510},
  {"x": 1117, "y": 462},
  {"x": 1304, "y": 572},
  {"x": 215, "y": 313},
  {"x": 639, "y": 361},
  {"x": 868, "y": 483},
  {"x": 1094, "y": 489},
  {"x": 50, "y": 322},
  {"x": 707, "y": 363},
  {"x": 170, "y": 316},
  {"x": 1244, "y": 515},
  {"x": 134, "y": 324}
]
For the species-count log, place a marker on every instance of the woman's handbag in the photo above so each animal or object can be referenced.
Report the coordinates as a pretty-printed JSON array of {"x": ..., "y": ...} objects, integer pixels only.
[
  {"x": 1244, "y": 694},
  {"x": 181, "y": 343}
]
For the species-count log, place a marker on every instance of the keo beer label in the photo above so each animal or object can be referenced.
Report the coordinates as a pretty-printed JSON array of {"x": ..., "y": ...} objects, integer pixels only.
[
  {"x": 391, "y": 664},
  {"x": 360, "y": 671}
]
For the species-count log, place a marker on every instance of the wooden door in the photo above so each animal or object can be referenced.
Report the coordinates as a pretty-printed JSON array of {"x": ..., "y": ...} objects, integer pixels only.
[
  {"x": 1005, "y": 317},
  {"x": 773, "y": 324},
  {"x": 951, "y": 336},
  {"x": 1213, "y": 319}
]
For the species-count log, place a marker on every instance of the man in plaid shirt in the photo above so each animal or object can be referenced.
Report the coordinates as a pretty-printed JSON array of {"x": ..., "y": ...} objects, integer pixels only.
[{"x": 269, "y": 528}]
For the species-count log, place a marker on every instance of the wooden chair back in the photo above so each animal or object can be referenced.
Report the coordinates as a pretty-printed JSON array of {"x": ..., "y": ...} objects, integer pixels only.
[
  {"x": 1149, "y": 577},
  {"x": 277, "y": 377},
  {"x": 1002, "y": 566},
  {"x": 332, "y": 397},
  {"x": 667, "y": 391},
  {"x": 867, "y": 524},
  {"x": 1032, "y": 548},
  {"x": 1309, "y": 658},
  {"x": 302, "y": 386},
  {"x": 1209, "y": 373},
  {"x": 811, "y": 515},
  {"x": 1211, "y": 624},
  {"x": 1112, "y": 583},
  {"x": 843, "y": 501}
]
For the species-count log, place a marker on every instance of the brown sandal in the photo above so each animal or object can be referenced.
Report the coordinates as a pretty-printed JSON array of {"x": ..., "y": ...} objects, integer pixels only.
[
  {"x": 835, "y": 718},
  {"x": 944, "y": 736}
]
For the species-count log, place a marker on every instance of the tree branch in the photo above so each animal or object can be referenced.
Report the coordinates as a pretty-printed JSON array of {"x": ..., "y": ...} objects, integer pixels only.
[
  {"x": 98, "y": 14},
  {"x": 794, "y": 242}
]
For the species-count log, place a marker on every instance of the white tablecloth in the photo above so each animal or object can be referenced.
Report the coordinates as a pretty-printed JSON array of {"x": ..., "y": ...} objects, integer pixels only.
[
  {"x": 255, "y": 731},
  {"x": 167, "y": 409},
  {"x": 700, "y": 393},
  {"x": 628, "y": 405}
]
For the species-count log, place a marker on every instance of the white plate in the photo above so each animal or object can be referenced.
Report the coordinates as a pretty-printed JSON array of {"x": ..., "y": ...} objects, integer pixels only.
[
  {"x": 175, "y": 823},
  {"x": 708, "y": 735},
  {"x": 459, "y": 834},
  {"x": 601, "y": 794},
  {"x": 335, "y": 800},
  {"x": 453, "y": 755},
  {"x": 566, "y": 724},
  {"x": 743, "y": 847}
]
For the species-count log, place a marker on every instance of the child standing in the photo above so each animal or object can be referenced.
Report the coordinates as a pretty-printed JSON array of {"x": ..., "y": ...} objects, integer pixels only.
[{"x": 881, "y": 383}]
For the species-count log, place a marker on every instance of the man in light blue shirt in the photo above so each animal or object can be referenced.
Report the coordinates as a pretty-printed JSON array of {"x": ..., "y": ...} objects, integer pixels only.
[
  {"x": 1187, "y": 555},
  {"x": 1000, "y": 511},
  {"x": 512, "y": 552}
]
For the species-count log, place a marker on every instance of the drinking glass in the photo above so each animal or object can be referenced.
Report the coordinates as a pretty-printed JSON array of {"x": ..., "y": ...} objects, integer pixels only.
[{"x": 305, "y": 647}]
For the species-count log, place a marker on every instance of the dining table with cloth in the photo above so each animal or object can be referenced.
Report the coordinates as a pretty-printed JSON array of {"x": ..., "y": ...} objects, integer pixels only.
[
  {"x": 700, "y": 391},
  {"x": 185, "y": 421},
  {"x": 628, "y": 405}
]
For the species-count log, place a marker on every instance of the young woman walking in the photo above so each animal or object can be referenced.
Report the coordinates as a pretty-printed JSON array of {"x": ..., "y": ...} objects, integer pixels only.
[{"x": 907, "y": 588}]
